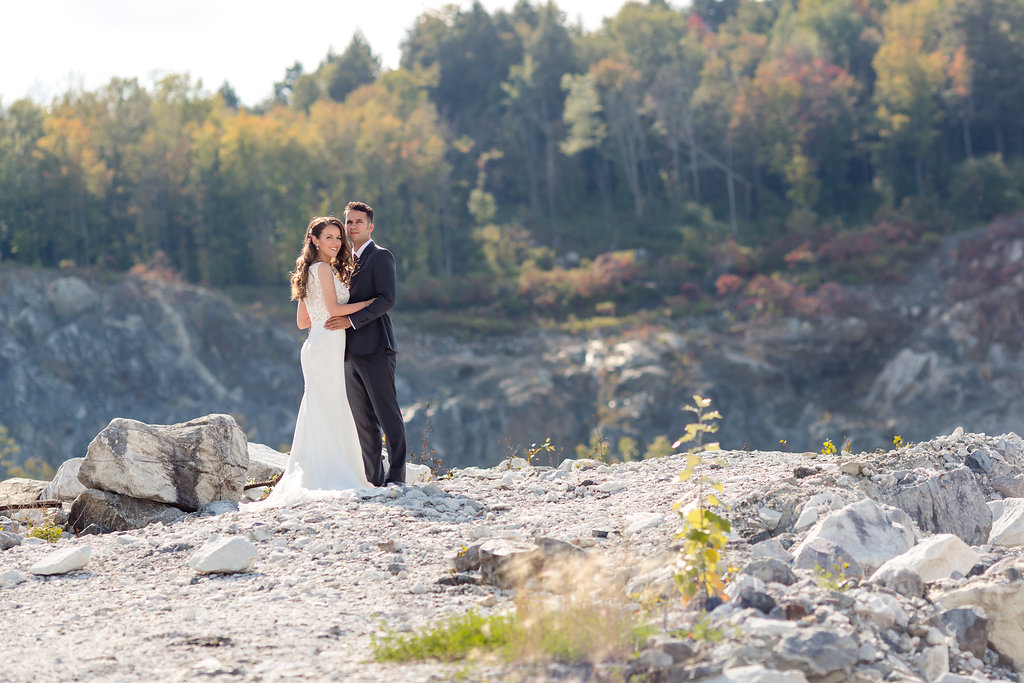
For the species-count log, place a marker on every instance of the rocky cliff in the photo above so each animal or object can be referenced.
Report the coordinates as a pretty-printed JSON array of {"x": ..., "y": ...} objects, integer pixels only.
[{"x": 917, "y": 359}]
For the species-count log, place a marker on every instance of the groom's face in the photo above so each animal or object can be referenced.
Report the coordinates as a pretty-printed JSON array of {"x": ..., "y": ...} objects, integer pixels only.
[{"x": 358, "y": 227}]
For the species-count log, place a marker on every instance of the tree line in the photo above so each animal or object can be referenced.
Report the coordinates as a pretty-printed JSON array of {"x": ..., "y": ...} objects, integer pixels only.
[{"x": 514, "y": 148}]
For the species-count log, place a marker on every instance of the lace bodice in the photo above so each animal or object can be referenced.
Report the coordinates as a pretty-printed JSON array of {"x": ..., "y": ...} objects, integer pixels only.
[{"x": 318, "y": 314}]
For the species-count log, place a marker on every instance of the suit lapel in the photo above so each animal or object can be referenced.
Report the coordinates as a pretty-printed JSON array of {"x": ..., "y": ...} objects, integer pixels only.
[{"x": 364, "y": 262}]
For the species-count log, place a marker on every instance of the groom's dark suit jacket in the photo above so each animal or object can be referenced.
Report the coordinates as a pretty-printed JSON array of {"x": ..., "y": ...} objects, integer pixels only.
[{"x": 371, "y": 329}]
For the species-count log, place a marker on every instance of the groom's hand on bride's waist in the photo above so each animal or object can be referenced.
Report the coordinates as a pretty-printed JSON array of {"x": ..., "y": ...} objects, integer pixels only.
[{"x": 338, "y": 322}]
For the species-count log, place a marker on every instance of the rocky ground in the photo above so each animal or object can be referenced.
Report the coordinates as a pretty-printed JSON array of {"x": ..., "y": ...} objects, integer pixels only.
[{"x": 330, "y": 575}]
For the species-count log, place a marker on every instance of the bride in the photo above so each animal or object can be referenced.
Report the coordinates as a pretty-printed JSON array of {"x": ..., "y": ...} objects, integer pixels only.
[{"x": 325, "y": 456}]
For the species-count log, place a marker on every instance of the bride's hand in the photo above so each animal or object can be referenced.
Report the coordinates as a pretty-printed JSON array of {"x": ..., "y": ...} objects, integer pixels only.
[{"x": 369, "y": 301}]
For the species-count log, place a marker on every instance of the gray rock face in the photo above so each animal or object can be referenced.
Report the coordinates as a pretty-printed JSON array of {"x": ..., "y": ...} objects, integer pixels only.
[
  {"x": 76, "y": 354},
  {"x": 115, "y": 512},
  {"x": 947, "y": 503},
  {"x": 186, "y": 465},
  {"x": 911, "y": 358}
]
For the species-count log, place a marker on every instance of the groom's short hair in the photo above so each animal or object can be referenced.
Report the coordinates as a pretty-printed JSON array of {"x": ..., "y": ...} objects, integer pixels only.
[{"x": 360, "y": 206}]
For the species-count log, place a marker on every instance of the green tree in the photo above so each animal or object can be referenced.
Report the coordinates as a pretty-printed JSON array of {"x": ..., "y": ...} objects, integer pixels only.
[
  {"x": 913, "y": 68},
  {"x": 354, "y": 67},
  {"x": 993, "y": 32}
]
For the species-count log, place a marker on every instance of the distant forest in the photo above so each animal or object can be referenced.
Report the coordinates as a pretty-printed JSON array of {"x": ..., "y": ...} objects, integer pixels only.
[{"x": 747, "y": 148}]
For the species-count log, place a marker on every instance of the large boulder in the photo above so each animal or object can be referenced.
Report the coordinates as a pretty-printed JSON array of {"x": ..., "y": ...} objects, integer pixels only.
[
  {"x": 186, "y": 465},
  {"x": 870, "y": 533},
  {"x": 946, "y": 503},
  {"x": 105, "y": 511}
]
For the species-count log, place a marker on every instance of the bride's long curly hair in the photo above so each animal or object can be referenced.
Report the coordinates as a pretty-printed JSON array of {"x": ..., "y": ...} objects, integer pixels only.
[{"x": 342, "y": 263}]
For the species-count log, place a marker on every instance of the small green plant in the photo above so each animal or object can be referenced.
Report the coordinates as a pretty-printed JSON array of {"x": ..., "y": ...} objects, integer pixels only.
[
  {"x": 453, "y": 638},
  {"x": 898, "y": 442},
  {"x": 833, "y": 582},
  {"x": 703, "y": 630},
  {"x": 557, "y": 617},
  {"x": 533, "y": 450},
  {"x": 784, "y": 444},
  {"x": 597, "y": 450},
  {"x": 48, "y": 531},
  {"x": 705, "y": 532},
  {"x": 828, "y": 448}
]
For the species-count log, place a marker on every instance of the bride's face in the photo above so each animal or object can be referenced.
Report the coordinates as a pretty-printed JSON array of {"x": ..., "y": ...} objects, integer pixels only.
[{"x": 328, "y": 245}]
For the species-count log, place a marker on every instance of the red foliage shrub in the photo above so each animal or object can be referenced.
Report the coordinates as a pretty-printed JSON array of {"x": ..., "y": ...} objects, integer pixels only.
[{"x": 728, "y": 283}]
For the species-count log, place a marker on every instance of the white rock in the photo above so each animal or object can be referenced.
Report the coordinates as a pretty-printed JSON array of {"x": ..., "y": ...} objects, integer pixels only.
[
  {"x": 417, "y": 474},
  {"x": 884, "y": 610},
  {"x": 11, "y": 577},
  {"x": 771, "y": 518},
  {"x": 63, "y": 561},
  {"x": 808, "y": 517},
  {"x": 934, "y": 558},
  {"x": 771, "y": 548},
  {"x": 933, "y": 662},
  {"x": 1008, "y": 527},
  {"x": 227, "y": 555},
  {"x": 512, "y": 464},
  {"x": 869, "y": 532},
  {"x": 611, "y": 486},
  {"x": 762, "y": 627},
  {"x": 65, "y": 484},
  {"x": 126, "y": 539},
  {"x": 264, "y": 462},
  {"x": 187, "y": 465},
  {"x": 570, "y": 465},
  {"x": 640, "y": 521},
  {"x": 742, "y": 583}
]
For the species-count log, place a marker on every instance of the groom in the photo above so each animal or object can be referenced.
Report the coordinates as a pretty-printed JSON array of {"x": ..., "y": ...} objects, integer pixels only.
[{"x": 370, "y": 351}]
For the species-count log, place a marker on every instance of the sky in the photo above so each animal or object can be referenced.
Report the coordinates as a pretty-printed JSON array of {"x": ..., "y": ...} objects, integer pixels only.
[{"x": 49, "y": 46}]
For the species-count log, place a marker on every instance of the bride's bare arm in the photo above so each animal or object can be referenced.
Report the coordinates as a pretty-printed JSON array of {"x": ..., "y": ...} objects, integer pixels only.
[
  {"x": 330, "y": 294},
  {"x": 302, "y": 316}
]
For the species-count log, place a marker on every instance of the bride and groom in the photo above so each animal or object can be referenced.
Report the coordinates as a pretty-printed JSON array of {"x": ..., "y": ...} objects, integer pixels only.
[{"x": 348, "y": 363}]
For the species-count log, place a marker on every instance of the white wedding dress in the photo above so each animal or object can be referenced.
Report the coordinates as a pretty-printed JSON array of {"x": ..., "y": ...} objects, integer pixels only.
[{"x": 326, "y": 460}]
